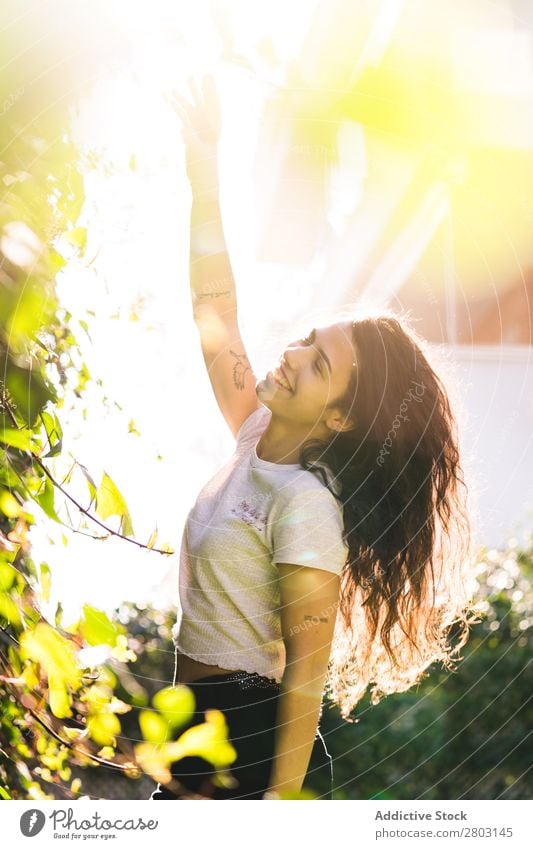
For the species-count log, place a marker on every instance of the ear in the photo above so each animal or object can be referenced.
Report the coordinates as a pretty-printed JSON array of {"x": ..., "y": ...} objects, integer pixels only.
[{"x": 337, "y": 421}]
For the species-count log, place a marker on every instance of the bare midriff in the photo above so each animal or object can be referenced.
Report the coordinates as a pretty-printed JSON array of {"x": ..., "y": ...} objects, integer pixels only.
[{"x": 190, "y": 670}]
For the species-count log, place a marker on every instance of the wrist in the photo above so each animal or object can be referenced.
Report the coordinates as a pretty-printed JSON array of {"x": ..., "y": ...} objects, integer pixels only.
[
  {"x": 202, "y": 169},
  {"x": 205, "y": 195}
]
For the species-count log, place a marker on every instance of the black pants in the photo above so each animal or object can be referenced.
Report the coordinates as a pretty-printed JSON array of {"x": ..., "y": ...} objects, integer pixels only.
[{"x": 249, "y": 703}]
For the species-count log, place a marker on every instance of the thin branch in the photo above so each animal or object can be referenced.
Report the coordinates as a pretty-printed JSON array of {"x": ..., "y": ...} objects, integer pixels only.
[
  {"x": 73, "y": 748},
  {"x": 68, "y": 474},
  {"x": 89, "y": 515},
  {"x": 76, "y": 503},
  {"x": 53, "y": 733}
]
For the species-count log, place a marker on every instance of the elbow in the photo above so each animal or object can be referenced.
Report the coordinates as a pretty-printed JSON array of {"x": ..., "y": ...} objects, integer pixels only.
[{"x": 306, "y": 673}]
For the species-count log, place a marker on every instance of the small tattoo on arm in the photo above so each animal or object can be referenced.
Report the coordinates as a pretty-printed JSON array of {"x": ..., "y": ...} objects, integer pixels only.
[
  {"x": 213, "y": 294},
  {"x": 240, "y": 368},
  {"x": 219, "y": 287},
  {"x": 315, "y": 619}
]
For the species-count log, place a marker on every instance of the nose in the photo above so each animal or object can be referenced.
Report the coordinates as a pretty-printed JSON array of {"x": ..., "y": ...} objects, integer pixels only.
[{"x": 295, "y": 355}]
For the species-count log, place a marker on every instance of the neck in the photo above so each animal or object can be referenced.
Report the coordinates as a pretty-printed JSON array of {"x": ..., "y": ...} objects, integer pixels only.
[{"x": 282, "y": 443}]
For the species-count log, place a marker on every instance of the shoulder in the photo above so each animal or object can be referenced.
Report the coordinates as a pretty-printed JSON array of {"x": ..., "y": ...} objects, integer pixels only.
[
  {"x": 306, "y": 527},
  {"x": 306, "y": 489},
  {"x": 252, "y": 427}
]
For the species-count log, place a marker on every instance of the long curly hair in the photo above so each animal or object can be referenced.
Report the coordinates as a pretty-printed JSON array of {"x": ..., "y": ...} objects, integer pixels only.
[{"x": 398, "y": 476}]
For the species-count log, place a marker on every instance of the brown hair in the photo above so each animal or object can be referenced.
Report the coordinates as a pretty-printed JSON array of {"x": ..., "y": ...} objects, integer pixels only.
[{"x": 398, "y": 476}]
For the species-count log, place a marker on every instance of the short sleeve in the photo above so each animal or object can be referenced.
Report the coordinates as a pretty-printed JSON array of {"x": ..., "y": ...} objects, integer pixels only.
[
  {"x": 307, "y": 531},
  {"x": 252, "y": 428}
]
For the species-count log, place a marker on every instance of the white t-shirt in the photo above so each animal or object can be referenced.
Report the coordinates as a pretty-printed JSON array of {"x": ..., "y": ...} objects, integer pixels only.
[{"x": 252, "y": 515}]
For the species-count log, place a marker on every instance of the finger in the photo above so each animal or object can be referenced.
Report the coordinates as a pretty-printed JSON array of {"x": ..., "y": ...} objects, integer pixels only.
[
  {"x": 181, "y": 107},
  {"x": 180, "y": 100},
  {"x": 182, "y": 115},
  {"x": 209, "y": 92},
  {"x": 195, "y": 91},
  {"x": 208, "y": 86}
]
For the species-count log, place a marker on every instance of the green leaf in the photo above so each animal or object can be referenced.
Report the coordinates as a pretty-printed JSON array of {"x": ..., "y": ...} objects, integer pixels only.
[
  {"x": 110, "y": 502},
  {"x": 45, "y": 581},
  {"x": 7, "y": 576},
  {"x": 176, "y": 704},
  {"x": 77, "y": 236},
  {"x": 96, "y": 627},
  {"x": 154, "y": 760},
  {"x": 84, "y": 326},
  {"x": 17, "y": 438},
  {"x": 32, "y": 313},
  {"x": 60, "y": 699},
  {"x": 153, "y": 727},
  {"x": 55, "y": 261},
  {"x": 10, "y": 549},
  {"x": 103, "y": 727},
  {"x": 55, "y": 654},
  {"x": 208, "y": 740},
  {"x": 3, "y": 793},
  {"x": 58, "y": 616},
  {"x": 9, "y": 504},
  {"x": 9, "y": 610},
  {"x": 76, "y": 785},
  {"x": 126, "y": 527},
  {"x": 90, "y": 482},
  {"x": 54, "y": 433},
  {"x": 45, "y": 500},
  {"x": 298, "y": 794},
  {"x": 28, "y": 389},
  {"x": 153, "y": 539}
]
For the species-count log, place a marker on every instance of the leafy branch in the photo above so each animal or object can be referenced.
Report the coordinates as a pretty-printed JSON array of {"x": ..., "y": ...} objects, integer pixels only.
[
  {"x": 107, "y": 492},
  {"x": 26, "y": 701}
]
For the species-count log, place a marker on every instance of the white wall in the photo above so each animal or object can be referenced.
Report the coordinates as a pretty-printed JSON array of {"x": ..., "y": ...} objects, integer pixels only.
[{"x": 495, "y": 387}]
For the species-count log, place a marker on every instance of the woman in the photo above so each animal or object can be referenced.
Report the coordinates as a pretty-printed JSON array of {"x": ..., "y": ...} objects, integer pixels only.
[{"x": 344, "y": 493}]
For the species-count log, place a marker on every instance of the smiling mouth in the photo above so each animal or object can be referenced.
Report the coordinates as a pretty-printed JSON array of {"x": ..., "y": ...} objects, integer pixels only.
[
  {"x": 282, "y": 370},
  {"x": 278, "y": 376}
]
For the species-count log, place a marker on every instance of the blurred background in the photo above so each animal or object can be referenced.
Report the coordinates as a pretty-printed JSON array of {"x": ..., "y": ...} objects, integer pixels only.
[{"x": 377, "y": 153}]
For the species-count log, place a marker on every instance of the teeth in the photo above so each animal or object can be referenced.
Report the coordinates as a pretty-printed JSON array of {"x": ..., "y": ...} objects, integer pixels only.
[{"x": 278, "y": 377}]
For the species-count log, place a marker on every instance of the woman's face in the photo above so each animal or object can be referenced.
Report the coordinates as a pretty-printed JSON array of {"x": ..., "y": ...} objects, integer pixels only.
[{"x": 311, "y": 376}]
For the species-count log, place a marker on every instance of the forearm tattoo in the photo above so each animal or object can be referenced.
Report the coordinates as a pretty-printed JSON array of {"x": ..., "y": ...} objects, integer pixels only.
[
  {"x": 213, "y": 294},
  {"x": 240, "y": 368},
  {"x": 222, "y": 287}
]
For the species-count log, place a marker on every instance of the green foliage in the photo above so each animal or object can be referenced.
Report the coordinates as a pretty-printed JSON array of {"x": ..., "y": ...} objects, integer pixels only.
[
  {"x": 463, "y": 734},
  {"x": 110, "y": 502},
  {"x": 96, "y": 627},
  {"x": 208, "y": 740},
  {"x": 175, "y": 704},
  {"x": 60, "y": 712}
]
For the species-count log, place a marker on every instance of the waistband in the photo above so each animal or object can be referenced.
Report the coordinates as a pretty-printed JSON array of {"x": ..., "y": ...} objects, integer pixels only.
[
  {"x": 244, "y": 680},
  {"x": 247, "y": 680}
]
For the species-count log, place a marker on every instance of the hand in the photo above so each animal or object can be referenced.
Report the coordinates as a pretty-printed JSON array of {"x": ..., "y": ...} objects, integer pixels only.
[
  {"x": 271, "y": 795},
  {"x": 201, "y": 126}
]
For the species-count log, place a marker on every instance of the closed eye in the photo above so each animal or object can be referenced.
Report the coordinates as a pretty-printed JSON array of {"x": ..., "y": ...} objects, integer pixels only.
[
  {"x": 309, "y": 340},
  {"x": 324, "y": 360}
]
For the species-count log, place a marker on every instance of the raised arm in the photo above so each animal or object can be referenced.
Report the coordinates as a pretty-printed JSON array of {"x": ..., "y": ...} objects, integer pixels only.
[{"x": 213, "y": 291}]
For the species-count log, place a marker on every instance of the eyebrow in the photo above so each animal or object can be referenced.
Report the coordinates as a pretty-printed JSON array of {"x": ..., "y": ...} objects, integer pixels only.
[{"x": 312, "y": 337}]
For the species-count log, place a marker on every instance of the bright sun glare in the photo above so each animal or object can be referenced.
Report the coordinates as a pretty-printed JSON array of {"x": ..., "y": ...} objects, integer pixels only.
[
  {"x": 310, "y": 179},
  {"x": 132, "y": 286}
]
